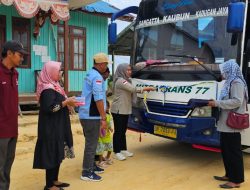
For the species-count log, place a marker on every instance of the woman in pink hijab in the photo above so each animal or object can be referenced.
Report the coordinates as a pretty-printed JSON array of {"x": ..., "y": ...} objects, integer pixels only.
[{"x": 54, "y": 129}]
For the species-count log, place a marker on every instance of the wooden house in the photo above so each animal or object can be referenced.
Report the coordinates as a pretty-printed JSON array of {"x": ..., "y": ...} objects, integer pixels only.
[{"x": 49, "y": 30}]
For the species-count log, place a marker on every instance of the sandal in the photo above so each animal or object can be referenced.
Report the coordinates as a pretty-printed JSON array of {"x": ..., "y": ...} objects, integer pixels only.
[
  {"x": 219, "y": 178},
  {"x": 102, "y": 164},
  {"x": 61, "y": 184},
  {"x": 229, "y": 185},
  {"x": 109, "y": 161}
]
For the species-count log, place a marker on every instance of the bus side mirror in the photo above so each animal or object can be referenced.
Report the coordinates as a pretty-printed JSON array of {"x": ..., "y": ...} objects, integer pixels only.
[
  {"x": 112, "y": 31},
  {"x": 236, "y": 13}
]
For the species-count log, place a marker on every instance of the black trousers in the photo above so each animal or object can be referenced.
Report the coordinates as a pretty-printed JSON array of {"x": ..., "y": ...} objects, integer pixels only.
[
  {"x": 120, "y": 128},
  {"x": 232, "y": 156},
  {"x": 7, "y": 156},
  {"x": 51, "y": 176}
]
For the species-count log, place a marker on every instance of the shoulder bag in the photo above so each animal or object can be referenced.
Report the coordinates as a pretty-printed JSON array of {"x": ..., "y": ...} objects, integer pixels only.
[{"x": 237, "y": 120}]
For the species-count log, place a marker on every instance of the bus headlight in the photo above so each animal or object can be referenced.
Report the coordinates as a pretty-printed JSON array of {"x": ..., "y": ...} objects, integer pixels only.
[{"x": 205, "y": 111}]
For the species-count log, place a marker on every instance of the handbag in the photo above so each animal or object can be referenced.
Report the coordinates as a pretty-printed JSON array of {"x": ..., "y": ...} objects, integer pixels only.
[{"x": 237, "y": 120}]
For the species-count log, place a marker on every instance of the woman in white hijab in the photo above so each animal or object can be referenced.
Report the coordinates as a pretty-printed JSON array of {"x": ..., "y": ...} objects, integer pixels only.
[{"x": 233, "y": 97}]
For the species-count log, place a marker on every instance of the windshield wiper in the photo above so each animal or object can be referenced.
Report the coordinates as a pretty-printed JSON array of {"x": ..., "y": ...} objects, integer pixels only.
[
  {"x": 186, "y": 56},
  {"x": 149, "y": 63},
  {"x": 194, "y": 58}
]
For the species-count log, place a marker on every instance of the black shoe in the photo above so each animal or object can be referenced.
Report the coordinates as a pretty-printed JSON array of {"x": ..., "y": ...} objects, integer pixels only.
[
  {"x": 63, "y": 185},
  {"x": 219, "y": 178},
  {"x": 46, "y": 188},
  {"x": 90, "y": 176},
  {"x": 98, "y": 170},
  {"x": 227, "y": 186}
]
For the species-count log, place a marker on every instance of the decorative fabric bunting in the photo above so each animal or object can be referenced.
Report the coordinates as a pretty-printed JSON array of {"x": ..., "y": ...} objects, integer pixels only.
[
  {"x": 61, "y": 11},
  {"x": 29, "y": 8},
  {"x": 7, "y": 2},
  {"x": 26, "y": 8}
]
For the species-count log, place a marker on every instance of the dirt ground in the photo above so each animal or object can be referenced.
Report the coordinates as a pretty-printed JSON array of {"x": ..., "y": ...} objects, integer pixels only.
[{"x": 158, "y": 164}]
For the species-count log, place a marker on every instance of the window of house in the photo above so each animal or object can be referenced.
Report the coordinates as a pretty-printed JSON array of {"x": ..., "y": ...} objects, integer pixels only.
[
  {"x": 77, "y": 44},
  {"x": 60, "y": 45},
  {"x": 2, "y": 32},
  {"x": 77, "y": 47},
  {"x": 21, "y": 33}
]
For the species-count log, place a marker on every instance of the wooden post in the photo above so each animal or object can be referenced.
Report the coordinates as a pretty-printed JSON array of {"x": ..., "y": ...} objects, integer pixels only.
[{"x": 66, "y": 57}]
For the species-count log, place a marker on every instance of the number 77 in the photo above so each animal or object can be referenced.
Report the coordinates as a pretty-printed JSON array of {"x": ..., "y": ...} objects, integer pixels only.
[{"x": 205, "y": 89}]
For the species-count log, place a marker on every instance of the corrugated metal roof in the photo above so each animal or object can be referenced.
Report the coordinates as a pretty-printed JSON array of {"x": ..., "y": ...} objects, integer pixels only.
[
  {"x": 100, "y": 7},
  {"x": 74, "y": 4},
  {"x": 105, "y": 9}
]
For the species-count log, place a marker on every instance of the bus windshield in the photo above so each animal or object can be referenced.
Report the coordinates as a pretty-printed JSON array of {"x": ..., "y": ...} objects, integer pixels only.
[{"x": 193, "y": 31}]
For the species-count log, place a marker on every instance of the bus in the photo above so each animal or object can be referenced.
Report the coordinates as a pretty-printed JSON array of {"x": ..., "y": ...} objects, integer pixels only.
[{"x": 177, "y": 48}]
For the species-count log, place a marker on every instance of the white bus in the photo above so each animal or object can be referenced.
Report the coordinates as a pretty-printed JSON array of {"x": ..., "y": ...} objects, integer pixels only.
[{"x": 177, "y": 47}]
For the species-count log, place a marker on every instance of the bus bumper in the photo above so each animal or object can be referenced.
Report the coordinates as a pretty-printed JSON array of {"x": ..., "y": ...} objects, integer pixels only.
[{"x": 194, "y": 130}]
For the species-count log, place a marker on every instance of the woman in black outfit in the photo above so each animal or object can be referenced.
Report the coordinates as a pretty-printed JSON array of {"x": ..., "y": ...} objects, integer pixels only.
[{"x": 54, "y": 129}]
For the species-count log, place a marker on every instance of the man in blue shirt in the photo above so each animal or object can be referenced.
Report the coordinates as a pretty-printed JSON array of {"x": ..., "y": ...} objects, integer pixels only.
[{"x": 92, "y": 115}]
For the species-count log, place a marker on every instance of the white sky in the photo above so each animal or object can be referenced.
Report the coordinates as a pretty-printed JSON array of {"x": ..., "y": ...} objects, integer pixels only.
[{"x": 121, "y": 4}]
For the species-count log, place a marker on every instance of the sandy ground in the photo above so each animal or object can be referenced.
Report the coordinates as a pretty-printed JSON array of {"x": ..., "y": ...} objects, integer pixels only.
[{"x": 158, "y": 164}]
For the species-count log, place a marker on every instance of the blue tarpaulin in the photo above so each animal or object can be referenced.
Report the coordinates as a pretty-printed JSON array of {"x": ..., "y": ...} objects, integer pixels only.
[{"x": 100, "y": 7}]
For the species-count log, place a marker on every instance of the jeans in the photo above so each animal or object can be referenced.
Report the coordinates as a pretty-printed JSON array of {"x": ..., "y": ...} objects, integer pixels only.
[{"x": 91, "y": 128}]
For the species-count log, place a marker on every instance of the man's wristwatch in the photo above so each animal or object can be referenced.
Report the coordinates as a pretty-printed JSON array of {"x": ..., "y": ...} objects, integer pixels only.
[{"x": 103, "y": 119}]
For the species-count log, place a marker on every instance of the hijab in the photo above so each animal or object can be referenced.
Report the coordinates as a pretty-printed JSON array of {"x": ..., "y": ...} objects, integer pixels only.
[
  {"x": 120, "y": 72},
  {"x": 46, "y": 79},
  {"x": 230, "y": 71}
]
